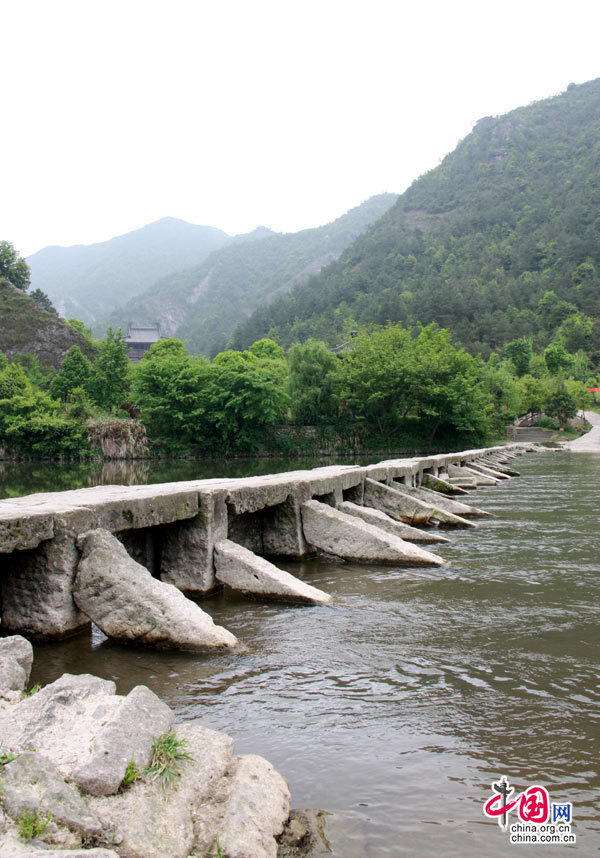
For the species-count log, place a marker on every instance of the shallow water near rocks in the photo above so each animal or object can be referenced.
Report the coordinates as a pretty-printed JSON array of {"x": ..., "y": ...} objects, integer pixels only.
[{"x": 397, "y": 705}]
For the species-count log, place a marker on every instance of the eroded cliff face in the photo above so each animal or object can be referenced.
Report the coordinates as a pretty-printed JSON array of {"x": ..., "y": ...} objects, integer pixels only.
[{"x": 26, "y": 328}]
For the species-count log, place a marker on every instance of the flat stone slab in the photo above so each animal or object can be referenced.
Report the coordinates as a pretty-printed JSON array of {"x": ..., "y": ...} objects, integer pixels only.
[
  {"x": 390, "y": 525},
  {"x": 243, "y": 570},
  {"x": 398, "y": 506},
  {"x": 439, "y": 512},
  {"x": 499, "y": 465},
  {"x": 468, "y": 474},
  {"x": 353, "y": 539},
  {"x": 400, "y": 502},
  {"x": 440, "y": 485},
  {"x": 488, "y": 471},
  {"x": 451, "y": 505},
  {"x": 19, "y": 532},
  {"x": 129, "y": 605}
]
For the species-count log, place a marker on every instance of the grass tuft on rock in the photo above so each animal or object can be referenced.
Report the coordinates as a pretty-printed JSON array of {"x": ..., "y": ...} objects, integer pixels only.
[
  {"x": 132, "y": 773},
  {"x": 167, "y": 751},
  {"x": 32, "y": 825}
]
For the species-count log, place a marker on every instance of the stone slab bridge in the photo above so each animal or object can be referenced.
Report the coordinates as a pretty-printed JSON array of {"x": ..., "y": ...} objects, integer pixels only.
[{"x": 124, "y": 556}]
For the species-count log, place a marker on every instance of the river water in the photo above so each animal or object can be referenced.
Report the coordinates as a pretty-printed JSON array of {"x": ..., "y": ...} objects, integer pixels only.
[{"x": 396, "y": 706}]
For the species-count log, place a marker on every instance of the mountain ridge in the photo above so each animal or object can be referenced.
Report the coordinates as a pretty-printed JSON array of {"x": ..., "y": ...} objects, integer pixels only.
[
  {"x": 201, "y": 305},
  {"x": 82, "y": 280},
  {"x": 473, "y": 244}
]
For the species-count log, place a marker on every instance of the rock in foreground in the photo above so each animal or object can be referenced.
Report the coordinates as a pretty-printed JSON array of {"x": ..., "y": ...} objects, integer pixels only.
[
  {"x": 129, "y": 605},
  {"x": 16, "y": 658},
  {"x": 84, "y": 735}
]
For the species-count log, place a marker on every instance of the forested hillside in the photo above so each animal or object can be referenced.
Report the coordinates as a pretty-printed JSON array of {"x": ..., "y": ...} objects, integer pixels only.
[
  {"x": 27, "y": 329},
  {"x": 89, "y": 281},
  {"x": 501, "y": 241},
  {"x": 202, "y": 305}
]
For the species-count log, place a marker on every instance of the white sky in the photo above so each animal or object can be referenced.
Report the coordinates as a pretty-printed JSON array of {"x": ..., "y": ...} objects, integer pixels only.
[{"x": 235, "y": 113}]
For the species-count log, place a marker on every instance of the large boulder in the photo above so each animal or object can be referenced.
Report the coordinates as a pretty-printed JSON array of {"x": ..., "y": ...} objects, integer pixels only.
[
  {"x": 127, "y": 737},
  {"x": 60, "y": 720},
  {"x": 241, "y": 569},
  {"x": 153, "y": 821},
  {"x": 256, "y": 810},
  {"x": 88, "y": 732},
  {"x": 32, "y": 783},
  {"x": 353, "y": 539},
  {"x": 385, "y": 522},
  {"x": 16, "y": 658},
  {"x": 129, "y": 605}
]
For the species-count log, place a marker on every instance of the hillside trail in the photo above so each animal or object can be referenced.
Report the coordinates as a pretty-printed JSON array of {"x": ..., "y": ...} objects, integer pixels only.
[{"x": 590, "y": 442}]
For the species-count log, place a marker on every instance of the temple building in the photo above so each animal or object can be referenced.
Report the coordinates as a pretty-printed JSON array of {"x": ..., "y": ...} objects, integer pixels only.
[{"x": 139, "y": 338}]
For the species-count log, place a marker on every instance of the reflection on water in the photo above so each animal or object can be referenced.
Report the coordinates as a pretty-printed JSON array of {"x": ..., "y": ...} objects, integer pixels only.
[
  {"x": 22, "y": 478},
  {"x": 398, "y": 704}
]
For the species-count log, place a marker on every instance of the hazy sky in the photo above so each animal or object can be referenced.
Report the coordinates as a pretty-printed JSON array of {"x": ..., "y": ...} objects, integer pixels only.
[{"x": 236, "y": 113}]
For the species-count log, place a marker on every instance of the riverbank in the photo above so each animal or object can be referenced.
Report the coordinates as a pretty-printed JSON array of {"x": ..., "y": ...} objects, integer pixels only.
[{"x": 101, "y": 775}]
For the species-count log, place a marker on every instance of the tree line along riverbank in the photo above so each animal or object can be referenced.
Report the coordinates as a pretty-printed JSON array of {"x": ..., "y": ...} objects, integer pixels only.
[{"x": 389, "y": 387}]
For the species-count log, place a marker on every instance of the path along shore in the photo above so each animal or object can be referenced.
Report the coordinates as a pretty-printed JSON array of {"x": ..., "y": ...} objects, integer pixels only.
[{"x": 590, "y": 442}]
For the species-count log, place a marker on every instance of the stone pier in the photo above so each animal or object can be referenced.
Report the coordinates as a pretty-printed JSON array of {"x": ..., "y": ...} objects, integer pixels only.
[{"x": 186, "y": 534}]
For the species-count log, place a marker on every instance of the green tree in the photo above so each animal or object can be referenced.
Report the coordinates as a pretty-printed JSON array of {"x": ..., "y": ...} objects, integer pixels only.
[
  {"x": 43, "y": 301},
  {"x": 561, "y": 405},
  {"x": 13, "y": 380},
  {"x": 111, "y": 379},
  {"x": 552, "y": 311},
  {"x": 313, "y": 376},
  {"x": 31, "y": 422},
  {"x": 448, "y": 390},
  {"x": 245, "y": 395},
  {"x": 76, "y": 371},
  {"x": 578, "y": 390},
  {"x": 12, "y": 267},
  {"x": 387, "y": 375},
  {"x": 520, "y": 352},
  {"x": 576, "y": 332},
  {"x": 169, "y": 388},
  {"x": 267, "y": 349},
  {"x": 556, "y": 358},
  {"x": 40, "y": 376},
  {"x": 532, "y": 394},
  {"x": 376, "y": 377},
  {"x": 498, "y": 379}
]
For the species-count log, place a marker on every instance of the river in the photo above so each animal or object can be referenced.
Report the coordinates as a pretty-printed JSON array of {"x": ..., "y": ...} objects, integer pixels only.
[{"x": 396, "y": 706}]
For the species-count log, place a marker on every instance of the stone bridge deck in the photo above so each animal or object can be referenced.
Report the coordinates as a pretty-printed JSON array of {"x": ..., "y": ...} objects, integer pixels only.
[{"x": 172, "y": 528}]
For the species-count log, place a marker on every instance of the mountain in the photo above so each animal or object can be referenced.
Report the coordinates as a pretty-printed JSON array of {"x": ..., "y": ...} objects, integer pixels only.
[
  {"x": 88, "y": 281},
  {"x": 202, "y": 305},
  {"x": 26, "y": 328},
  {"x": 476, "y": 243}
]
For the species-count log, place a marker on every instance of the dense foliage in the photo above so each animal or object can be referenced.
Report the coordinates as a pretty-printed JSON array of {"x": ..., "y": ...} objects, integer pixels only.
[
  {"x": 390, "y": 385},
  {"x": 500, "y": 242}
]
